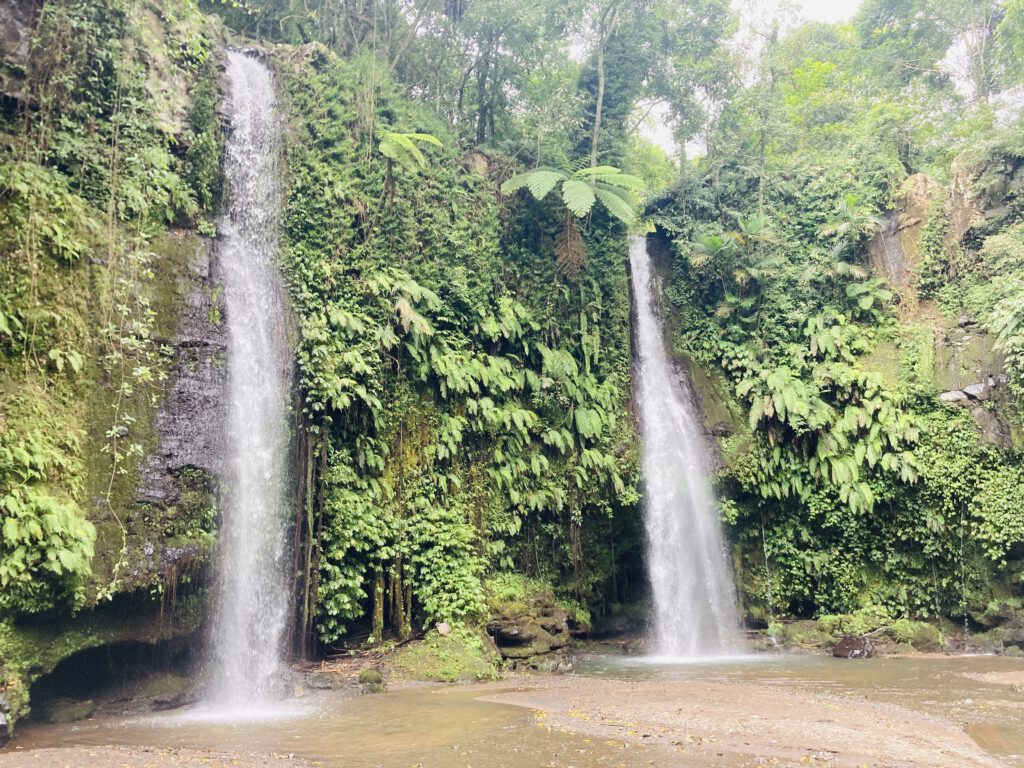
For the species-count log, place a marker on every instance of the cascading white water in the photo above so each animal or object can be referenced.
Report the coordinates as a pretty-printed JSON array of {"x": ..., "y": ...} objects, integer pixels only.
[
  {"x": 694, "y": 599},
  {"x": 252, "y": 590}
]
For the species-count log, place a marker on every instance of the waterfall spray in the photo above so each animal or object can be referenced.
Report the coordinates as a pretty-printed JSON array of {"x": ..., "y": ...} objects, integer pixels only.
[{"x": 252, "y": 586}]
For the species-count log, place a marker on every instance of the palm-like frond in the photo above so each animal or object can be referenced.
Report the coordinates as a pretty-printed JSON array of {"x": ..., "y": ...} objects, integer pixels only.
[
  {"x": 617, "y": 201},
  {"x": 402, "y": 147},
  {"x": 540, "y": 181},
  {"x": 579, "y": 196},
  {"x": 581, "y": 189}
]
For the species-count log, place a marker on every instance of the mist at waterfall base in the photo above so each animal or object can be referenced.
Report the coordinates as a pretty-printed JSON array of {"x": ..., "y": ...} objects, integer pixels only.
[
  {"x": 694, "y": 603},
  {"x": 245, "y": 659}
]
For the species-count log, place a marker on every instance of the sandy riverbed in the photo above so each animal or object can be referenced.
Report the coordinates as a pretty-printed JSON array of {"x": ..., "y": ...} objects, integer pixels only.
[
  {"x": 782, "y": 711},
  {"x": 142, "y": 757},
  {"x": 749, "y": 723}
]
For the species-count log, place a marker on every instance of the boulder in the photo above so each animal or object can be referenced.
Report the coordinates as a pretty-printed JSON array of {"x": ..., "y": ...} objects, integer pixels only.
[
  {"x": 370, "y": 676},
  {"x": 953, "y": 397},
  {"x": 523, "y": 628},
  {"x": 978, "y": 391},
  {"x": 444, "y": 628},
  {"x": 63, "y": 710},
  {"x": 853, "y": 647},
  {"x": 506, "y": 631},
  {"x": 319, "y": 681}
]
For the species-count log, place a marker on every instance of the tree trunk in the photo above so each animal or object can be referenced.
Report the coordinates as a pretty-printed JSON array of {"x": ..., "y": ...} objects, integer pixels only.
[
  {"x": 378, "y": 605},
  {"x": 482, "y": 104},
  {"x": 605, "y": 32}
]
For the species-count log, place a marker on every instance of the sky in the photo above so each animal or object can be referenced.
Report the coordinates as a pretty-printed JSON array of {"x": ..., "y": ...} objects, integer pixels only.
[
  {"x": 828, "y": 10},
  {"x": 656, "y": 129}
]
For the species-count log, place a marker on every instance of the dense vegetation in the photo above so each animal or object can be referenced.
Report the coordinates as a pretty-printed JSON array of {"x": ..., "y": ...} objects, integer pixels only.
[
  {"x": 460, "y": 179},
  {"x": 850, "y": 485}
]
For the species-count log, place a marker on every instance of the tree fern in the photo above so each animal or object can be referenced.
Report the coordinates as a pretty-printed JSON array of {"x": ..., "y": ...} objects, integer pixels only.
[
  {"x": 402, "y": 147},
  {"x": 580, "y": 190}
]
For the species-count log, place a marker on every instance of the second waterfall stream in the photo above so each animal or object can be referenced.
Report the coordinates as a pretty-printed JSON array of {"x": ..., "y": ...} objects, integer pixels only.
[{"x": 691, "y": 585}]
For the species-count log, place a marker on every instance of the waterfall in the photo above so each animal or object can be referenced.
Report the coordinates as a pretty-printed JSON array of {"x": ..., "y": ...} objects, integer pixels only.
[
  {"x": 694, "y": 599},
  {"x": 252, "y": 586}
]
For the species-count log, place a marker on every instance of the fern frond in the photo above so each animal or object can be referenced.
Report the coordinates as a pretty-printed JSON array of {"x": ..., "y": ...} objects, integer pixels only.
[
  {"x": 617, "y": 207},
  {"x": 578, "y": 196},
  {"x": 570, "y": 251}
]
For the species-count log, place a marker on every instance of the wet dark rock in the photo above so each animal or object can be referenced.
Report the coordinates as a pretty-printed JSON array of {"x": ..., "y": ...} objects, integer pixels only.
[
  {"x": 172, "y": 700},
  {"x": 994, "y": 430},
  {"x": 556, "y": 665},
  {"x": 851, "y": 647},
  {"x": 510, "y": 632},
  {"x": 17, "y": 19},
  {"x": 721, "y": 429},
  {"x": 319, "y": 681},
  {"x": 190, "y": 420},
  {"x": 523, "y": 629}
]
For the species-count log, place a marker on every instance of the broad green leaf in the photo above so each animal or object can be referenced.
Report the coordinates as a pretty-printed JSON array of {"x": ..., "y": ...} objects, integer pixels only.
[
  {"x": 578, "y": 196},
  {"x": 615, "y": 205}
]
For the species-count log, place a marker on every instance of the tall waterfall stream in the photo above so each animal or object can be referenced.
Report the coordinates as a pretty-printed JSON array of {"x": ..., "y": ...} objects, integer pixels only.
[
  {"x": 694, "y": 599},
  {"x": 252, "y": 592}
]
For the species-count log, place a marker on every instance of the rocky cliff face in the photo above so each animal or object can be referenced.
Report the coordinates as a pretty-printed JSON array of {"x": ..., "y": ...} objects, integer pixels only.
[
  {"x": 169, "y": 514},
  {"x": 178, "y": 479},
  {"x": 895, "y": 251},
  {"x": 153, "y": 499},
  {"x": 17, "y": 18}
]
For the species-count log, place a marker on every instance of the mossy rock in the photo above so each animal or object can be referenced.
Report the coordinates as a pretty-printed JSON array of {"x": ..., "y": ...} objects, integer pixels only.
[
  {"x": 527, "y": 619},
  {"x": 63, "y": 710},
  {"x": 370, "y": 676},
  {"x": 805, "y": 633},
  {"x": 919, "y": 634},
  {"x": 461, "y": 655}
]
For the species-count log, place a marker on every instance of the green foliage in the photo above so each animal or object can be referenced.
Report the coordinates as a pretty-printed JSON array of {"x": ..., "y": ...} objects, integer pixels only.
[
  {"x": 402, "y": 149},
  {"x": 581, "y": 189},
  {"x": 857, "y": 623},
  {"x": 47, "y": 543},
  {"x": 933, "y": 268},
  {"x": 471, "y": 401}
]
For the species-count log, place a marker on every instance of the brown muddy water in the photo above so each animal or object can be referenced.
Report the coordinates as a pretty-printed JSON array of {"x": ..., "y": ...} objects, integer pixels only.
[{"x": 448, "y": 726}]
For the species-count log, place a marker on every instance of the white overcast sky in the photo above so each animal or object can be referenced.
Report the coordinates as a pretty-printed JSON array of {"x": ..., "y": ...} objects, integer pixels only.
[
  {"x": 828, "y": 10},
  {"x": 655, "y": 127}
]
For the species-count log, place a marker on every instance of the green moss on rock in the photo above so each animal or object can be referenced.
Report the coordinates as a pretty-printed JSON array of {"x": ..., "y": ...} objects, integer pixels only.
[{"x": 461, "y": 655}]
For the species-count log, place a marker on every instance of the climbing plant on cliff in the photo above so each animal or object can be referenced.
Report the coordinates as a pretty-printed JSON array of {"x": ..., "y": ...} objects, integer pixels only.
[{"x": 470, "y": 407}]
